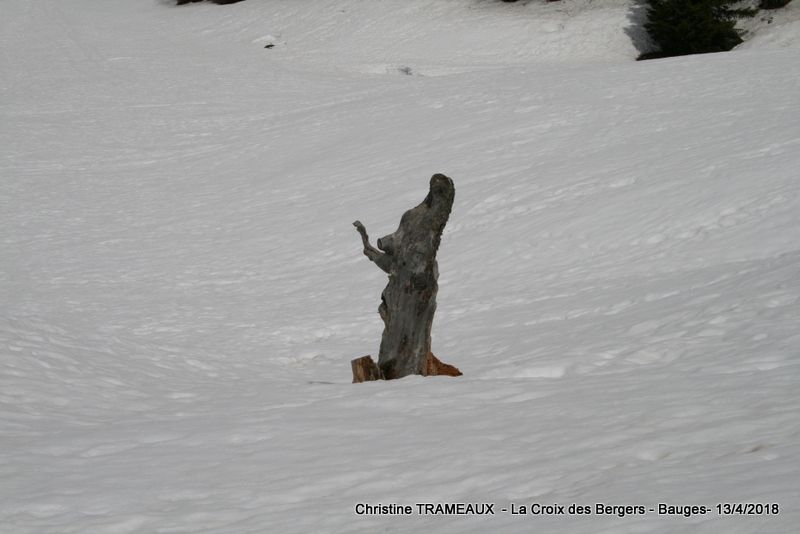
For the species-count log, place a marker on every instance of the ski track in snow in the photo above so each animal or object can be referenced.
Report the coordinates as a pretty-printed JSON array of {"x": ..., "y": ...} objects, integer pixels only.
[{"x": 182, "y": 290}]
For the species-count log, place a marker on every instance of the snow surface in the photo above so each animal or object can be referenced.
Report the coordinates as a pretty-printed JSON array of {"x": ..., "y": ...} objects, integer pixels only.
[{"x": 182, "y": 289}]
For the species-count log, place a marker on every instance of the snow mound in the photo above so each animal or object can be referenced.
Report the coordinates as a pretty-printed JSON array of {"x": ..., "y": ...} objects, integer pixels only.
[{"x": 771, "y": 29}]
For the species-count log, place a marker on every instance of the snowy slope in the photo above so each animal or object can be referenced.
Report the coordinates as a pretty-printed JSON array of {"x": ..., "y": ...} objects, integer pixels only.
[{"x": 181, "y": 290}]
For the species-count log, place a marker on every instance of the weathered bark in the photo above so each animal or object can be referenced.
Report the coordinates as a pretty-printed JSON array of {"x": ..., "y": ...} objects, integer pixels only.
[{"x": 409, "y": 301}]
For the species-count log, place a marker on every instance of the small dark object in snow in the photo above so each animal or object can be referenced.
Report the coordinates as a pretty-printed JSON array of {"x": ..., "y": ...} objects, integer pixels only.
[
  {"x": 270, "y": 45},
  {"x": 218, "y": 2}
]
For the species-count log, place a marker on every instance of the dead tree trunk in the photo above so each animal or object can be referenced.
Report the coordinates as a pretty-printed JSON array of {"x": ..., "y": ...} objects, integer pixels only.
[{"x": 409, "y": 300}]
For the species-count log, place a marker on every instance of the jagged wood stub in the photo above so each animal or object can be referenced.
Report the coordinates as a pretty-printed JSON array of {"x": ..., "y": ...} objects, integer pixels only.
[
  {"x": 365, "y": 370},
  {"x": 409, "y": 301}
]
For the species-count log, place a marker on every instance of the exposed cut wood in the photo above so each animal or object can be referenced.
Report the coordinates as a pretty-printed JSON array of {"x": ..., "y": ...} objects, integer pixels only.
[{"x": 365, "y": 370}]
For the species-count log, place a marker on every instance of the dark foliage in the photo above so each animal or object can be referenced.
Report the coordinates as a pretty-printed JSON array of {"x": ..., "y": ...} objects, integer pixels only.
[
  {"x": 773, "y": 4},
  {"x": 682, "y": 27}
]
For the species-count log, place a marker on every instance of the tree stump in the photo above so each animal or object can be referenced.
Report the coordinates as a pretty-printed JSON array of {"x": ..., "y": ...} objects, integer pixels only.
[
  {"x": 366, "y": 370},
  {"x": 408, "y": 303}
]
